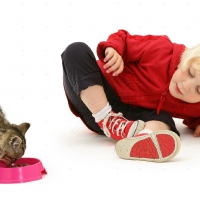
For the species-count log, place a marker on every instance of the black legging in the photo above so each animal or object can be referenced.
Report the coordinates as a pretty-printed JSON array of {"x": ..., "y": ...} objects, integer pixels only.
[{"x": 80, "y": 70}]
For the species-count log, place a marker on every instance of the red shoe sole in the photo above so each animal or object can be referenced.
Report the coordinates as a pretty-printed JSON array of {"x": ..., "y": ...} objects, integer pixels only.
[
  {"x": 159, "y": 146},
  {"x": 146, "y": 148}
]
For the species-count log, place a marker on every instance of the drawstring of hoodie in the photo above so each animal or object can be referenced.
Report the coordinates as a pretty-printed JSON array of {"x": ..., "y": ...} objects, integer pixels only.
[{"x": 162, "y": 99}]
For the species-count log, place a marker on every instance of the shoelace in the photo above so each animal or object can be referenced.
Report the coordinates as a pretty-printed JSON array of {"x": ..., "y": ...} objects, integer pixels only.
[{"x": 113, "y": 122}]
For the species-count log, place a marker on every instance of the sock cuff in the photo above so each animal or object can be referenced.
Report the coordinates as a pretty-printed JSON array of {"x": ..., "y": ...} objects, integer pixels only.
[{"x": 102, "y": 113}]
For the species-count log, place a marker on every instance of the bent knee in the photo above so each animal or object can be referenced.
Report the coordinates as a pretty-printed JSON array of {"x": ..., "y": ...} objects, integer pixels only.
[{"x": 75, "y": 49}]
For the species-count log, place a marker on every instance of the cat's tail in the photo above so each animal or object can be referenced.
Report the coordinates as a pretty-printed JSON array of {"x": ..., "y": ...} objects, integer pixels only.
[
  {"x": 3, "y": 118},
  {"x": 2, "y": 115}
]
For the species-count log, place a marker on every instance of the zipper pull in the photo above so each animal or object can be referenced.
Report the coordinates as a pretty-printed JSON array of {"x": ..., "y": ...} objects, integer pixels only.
[{"x": 162, "y": 99}]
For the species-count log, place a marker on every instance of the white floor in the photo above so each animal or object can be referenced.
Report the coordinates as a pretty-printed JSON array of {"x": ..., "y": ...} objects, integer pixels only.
[{"x": 81, "y": 164}]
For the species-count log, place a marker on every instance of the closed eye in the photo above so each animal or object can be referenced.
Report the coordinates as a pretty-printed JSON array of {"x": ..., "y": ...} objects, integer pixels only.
[
  {"x": 198, "y": 90},
  {"x": 191, "y": 73},
  {"x": 9, "y": 158}
]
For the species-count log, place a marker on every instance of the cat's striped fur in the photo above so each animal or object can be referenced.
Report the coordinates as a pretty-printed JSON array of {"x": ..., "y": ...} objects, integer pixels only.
[{"x": 12, "y": 139}]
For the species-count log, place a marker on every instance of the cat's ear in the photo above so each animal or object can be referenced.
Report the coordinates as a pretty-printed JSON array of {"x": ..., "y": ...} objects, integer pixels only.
[
  {"x": 15, "y": 142},
  {"x": 24, "y": 127}
]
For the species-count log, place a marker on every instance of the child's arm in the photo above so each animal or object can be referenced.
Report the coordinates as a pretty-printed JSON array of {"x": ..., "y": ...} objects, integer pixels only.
[
  {"x": 193, "y": 123},
  {"x": 132, "y": 47},
  {"x": 197, "y": 131}
]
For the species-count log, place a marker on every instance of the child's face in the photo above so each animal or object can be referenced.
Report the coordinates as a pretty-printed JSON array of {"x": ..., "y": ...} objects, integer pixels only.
[{"x": 186, "y": 85}]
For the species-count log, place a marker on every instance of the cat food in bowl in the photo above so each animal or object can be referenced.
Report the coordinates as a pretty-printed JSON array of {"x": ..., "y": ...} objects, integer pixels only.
[{"x": 23, "y": 170}]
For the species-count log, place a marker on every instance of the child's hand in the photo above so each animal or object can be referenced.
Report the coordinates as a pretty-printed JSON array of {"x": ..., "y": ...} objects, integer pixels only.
[
  {"x": 197, "y": 131},
  {"x": 114, "y": 62}
]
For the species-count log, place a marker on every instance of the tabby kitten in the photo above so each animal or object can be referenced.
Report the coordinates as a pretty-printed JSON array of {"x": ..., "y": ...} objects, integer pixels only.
[{"x": 12, "y": 140}]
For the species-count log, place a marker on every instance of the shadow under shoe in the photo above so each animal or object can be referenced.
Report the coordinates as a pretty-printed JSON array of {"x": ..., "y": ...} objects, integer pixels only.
[{"x": 159, "y": 146}]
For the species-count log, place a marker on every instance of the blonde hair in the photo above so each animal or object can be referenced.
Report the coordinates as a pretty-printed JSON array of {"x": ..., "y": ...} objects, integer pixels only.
[{"x": 189, "y": 56}]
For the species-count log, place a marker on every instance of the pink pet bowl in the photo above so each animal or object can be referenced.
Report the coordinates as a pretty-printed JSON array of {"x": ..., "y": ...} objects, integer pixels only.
[{"x": 31, "y": 170}]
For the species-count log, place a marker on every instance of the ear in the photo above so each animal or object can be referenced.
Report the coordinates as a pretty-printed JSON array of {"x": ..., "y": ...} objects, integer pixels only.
[
  {"x": 15, "y": 142},
  {"x": 24, "y": 127}
]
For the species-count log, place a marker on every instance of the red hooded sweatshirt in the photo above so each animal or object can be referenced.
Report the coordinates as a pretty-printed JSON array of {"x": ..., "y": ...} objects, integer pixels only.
[{"x": 149, "y": 63}]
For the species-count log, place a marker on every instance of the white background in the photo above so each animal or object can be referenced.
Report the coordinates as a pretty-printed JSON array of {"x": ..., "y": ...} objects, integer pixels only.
[{"x": 81, "y": 164}]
